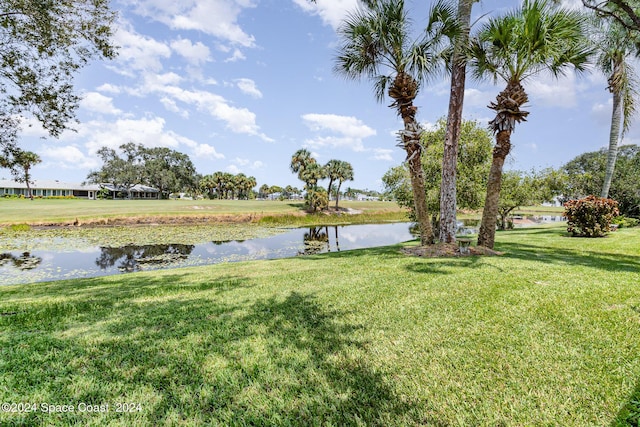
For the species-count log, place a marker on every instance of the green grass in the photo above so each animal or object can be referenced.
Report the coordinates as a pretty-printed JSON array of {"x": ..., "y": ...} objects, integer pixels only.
[
  {"x": 52, "y": 211},
  {"x": 546, "y": 335}
]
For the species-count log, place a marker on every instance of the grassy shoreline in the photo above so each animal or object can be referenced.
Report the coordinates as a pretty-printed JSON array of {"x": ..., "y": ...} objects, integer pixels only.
[
  {"x": 63, "y": 212},
  {"x": 547, "y": 334}
]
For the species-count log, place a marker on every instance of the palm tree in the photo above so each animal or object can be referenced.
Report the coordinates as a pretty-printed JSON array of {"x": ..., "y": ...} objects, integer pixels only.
[
  {"x": 615, "y": 50},
  {"x": 207, "y": 185},
  {"x": 345, "y": 173},
  {"x": 448, "y": 191},
  {"x": 333, "y": 170},
  {"x": 300, "y": 160},
  {"x": 377, "y": 44},
  {"x": 536, "y": 37}
]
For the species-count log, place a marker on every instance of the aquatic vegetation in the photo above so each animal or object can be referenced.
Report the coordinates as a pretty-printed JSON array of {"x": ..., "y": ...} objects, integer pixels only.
[{"x": 78, "y": 238}]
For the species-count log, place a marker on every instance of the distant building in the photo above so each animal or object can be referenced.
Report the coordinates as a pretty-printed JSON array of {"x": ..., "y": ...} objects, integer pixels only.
[
  {"x": 363, "y": 197},
  {"x": 138, "y": 191},
  {"x": 45, "y": 188}
]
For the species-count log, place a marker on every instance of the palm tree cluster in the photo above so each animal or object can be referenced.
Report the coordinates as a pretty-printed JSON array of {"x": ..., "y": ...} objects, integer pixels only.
[
  {"x": 377, "y": 42},
  {"x": 538, "y": 37},
  {"x": 287, "y": 192},
  {"x": 310, "y": 172},
  {"x": 225, "y": 185}
]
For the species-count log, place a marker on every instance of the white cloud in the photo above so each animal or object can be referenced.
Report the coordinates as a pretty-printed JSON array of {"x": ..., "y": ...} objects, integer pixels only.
[
  {"x": 171, "y": 105},
  {"x": 345, "y": 125},
  {"x": 332, "y": 12},
  {"x": 350, "y": 131},
  {"x": 233, "y": 169},
  {"x": 109, "y": 88},
  {"x": 246, "y": 162},
  {"x": 206, "y": 150},
  {"x": 236, "y": 56},
  {"x": 239, "y": 120},
  {"x": 149, "y": 132},
  {"x": 215, "y": 17},
  {"x": 383, "y": 154},
  {"x": 474, "y": 98},
  {"x": 138, "y": 52},
  {"x": 248, "y": 86},
  {"x": 546, "y": 91},
  {"x": 67, "y": 157},
  {"x": 195, "y": 54},
  {"x": 94, "y": 101}
]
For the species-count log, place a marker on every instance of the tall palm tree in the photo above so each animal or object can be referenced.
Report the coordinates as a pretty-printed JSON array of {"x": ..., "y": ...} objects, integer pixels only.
[
  {"x": 614, "y": 53},
  {"x": 448, "y": 191},
  {"x": 300, "y": 160},
  {"x": 333, "y": 171},
  {"x": 377, "y": 43},
  {"x": 345, "y": 173},
  {"x": 535, "y": 38}
]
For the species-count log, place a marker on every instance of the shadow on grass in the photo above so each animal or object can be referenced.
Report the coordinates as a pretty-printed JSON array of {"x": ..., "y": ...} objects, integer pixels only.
[
  {"x": 385, "y": 252},
  {"x": 606, "y": 261},
  {"x": 199, "y": 359},
  {"x": 629, "y": 415},
  {"x": 446, "y": 265}
]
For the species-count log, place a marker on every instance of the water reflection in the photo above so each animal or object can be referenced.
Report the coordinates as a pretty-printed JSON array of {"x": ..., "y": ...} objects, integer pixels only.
[
  {"x": 43, "y": 265},
  {"x": 26, "y": 261},
  {"x": 132, "y": 257},
  {"x": 316, "y": 240}
]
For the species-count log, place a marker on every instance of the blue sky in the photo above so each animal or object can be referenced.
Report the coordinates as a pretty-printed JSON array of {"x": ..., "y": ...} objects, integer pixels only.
[{"x": 240, "y": 85}]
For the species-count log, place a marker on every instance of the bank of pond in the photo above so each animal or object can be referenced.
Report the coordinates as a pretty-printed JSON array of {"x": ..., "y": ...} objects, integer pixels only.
[{"x": 65, "y": 256}]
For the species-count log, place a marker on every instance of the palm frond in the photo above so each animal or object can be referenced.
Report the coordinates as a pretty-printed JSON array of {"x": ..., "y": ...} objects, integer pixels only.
[
  {"x": 536, "y": 37},
  {"x": 630, "y": 93}
]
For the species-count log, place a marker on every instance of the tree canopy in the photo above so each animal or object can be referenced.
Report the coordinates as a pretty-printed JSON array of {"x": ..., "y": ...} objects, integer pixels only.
[
  {"x": 586, "y": 172},
  {"x": 43, "y": 44},
  {"x": 474, "y": 159},
  {"x": 167, "y": 170}
]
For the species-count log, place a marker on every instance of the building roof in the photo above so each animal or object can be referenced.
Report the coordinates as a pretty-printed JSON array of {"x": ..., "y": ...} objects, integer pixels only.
[{"x": 138, "y": 188}]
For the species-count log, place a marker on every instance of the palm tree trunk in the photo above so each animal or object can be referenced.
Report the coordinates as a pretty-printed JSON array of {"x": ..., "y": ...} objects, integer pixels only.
[
  {"x": 487, "y": 233},
  {"x": 338, "y": 193},
  {"x": 448, "y": 192},
  {"x": 419, "y": 192},
  {"x": 404, "y": 91},
  {"x": 614, "y": 135}
]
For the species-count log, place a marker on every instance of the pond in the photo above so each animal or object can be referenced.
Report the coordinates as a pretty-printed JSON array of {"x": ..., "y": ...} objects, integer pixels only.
[{"x": 45, "y": 265}]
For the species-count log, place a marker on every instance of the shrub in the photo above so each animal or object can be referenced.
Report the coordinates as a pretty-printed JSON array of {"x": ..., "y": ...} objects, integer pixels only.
[
  {"x": 20, "y": 227},
  {"x": 625, "y": 222},
  {"x": 591, "y": 216},
  {"x": 317, "y": 199}
]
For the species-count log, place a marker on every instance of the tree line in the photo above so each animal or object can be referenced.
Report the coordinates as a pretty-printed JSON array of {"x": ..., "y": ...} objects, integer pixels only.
[{"x": 578, "y": 178}]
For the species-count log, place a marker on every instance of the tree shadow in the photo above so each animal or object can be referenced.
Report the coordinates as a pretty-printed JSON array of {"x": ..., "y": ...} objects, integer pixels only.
[
  {"x": 198, "y": 358},
  {"x": 614, "y": 262},
  {"x": 629, "y": 414},
  {"x": 386, "y": 252},
  {"x": 447, "y": 265}
]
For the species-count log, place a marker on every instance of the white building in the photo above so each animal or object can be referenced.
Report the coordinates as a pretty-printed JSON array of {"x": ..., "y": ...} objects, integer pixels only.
[{"x": 44, "y": 188}]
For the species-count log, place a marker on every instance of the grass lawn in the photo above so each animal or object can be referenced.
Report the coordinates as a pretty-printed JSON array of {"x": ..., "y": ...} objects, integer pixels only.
[
  {"x": 547, "y": 334},
  {"x": 50, "y": 211}
]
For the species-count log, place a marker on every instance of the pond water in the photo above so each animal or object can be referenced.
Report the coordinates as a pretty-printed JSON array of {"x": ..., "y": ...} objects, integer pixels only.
[{"x": 43, "y": 265}]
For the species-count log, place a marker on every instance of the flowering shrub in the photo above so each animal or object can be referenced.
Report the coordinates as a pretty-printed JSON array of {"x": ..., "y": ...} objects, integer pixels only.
[{"x": 591, "y": 216}]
